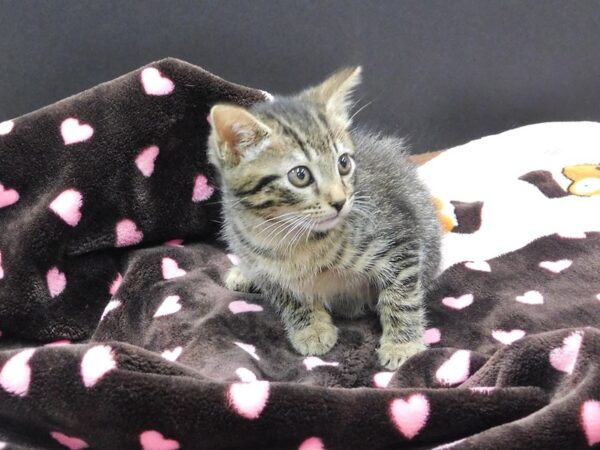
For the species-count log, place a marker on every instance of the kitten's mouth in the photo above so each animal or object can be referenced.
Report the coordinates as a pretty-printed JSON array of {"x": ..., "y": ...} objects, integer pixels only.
[{"x": 327, "y": 223}]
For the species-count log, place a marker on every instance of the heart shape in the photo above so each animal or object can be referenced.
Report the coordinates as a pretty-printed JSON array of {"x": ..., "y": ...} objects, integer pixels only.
[
  {"x": 154, "y": 440},
  {"x": 145, "y": 160},
  {"x": 432, "y": 336},
  {"x": 458, "y": 302},
  {"x": 202, "y": 190},
  {"x": 312, "y": 443},
  {"x": 590, "y": 419},
  {"x": 481, "y": 266},
  {"x": 250, "y": 349},
  {"x": 172, "y": 355},
  {"x": 241, "y": 306},
  {"x": 116, "y": 284},
  {"x": 6, "y": 127},
  {"x": 382, "y": 379},
  {"x": 411, "y": 415},
  {"x": 15, "y": 376},
  {"x": 73, "y": 131},
  {"x": 170, "y": 305},
  {"x": 564, "y": 358},
  {"x": 96, "y": 362},
  {"x": 170, "y": 269},
  {"x": 508, "y": 337},
  {"x": 455, "y": 370},
  {"x": 235, "y": 259},
  {"x": 155, "y": 83},
  {"x": 127, "y": 233},
  {"x": 249, "y": 399},
  {"x": 70, "y": 442},
  {"x": 110, "y": 306},
  {"x": 531, "y": 298},
  {"x": 486, "y": 390},
  {"x": 67, "y": 206},
  {"x": 245, "y": 375},
  {"x": 312, "y": 361},
  {"x": 56, "y": 281},
  {"x": 556, "y": 266},
  {"x": 8, "y": 197}
]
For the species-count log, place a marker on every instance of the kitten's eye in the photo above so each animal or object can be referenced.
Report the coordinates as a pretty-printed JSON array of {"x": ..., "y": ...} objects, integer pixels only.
[
  {"x": 300, "y": 176},
  {"x": 344, "y": 164}
]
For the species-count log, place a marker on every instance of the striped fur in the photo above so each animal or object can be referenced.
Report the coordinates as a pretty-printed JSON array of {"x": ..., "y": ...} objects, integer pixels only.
[{"x": 383, "y": 251}]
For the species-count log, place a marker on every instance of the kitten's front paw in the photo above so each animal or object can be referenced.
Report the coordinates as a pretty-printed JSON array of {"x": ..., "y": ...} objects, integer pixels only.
[
  {"x": 237, "y": 281},
  {"x": 393, "y": 354},
  {"x": 316, "y": 339}
]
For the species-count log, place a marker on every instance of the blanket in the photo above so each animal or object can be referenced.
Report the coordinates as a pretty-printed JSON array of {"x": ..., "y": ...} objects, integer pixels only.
[{"x": 117, "y": 331}]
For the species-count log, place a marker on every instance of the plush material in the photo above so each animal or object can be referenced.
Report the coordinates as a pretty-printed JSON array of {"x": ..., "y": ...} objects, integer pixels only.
[{"x": 117, "y": 332}]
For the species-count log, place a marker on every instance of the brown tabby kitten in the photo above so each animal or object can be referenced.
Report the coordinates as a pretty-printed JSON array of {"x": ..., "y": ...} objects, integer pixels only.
[{"x": 324, "y": 218}]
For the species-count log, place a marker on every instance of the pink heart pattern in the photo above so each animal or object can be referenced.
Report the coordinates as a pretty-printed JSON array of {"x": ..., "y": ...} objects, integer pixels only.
[
  {"x": 556, "y": 266},
  {"x": 15, "y": 376},
  {"x": 480, "y": 266},
  {"x": 410, "y": 416},
  {"x": 116, "y": 284},
  {"x": 154, "y": 440},
  {"x": 96, "y": 363},
  {"x": 56, "y": 281},
  {"x": 432, "y": 336},
  {"x": 455, "y": 370},
  {"x": 241, "y": 306},
  {"x": 8, "y": 197},
  {"x": 1, "y": 268},
  {"x": 155, "y": 83},
  {"x": 145, "y": 160},
  {"x": 170, "y": 269},
  {"x": 172, "y": 355},
  {"x": 67, "y": 206},
  {"x": 170, "y": 305},
  {"x": 590, "y": 420},
  {"x": 311, "y": 362},
  {"x": 458, "y": 302},
  {"x": 507, "y": 337},
  {"x": 70, "y": 442},
  {"x": 312, "y": 443},
  {"x": 235, "y": 260},
  {"x": 250, "y": 349},
  {"x": 531, "y": 298},
  {"x": 127, "y": 233},
  {"x": 249, "y": 399},
  {"x": 6, "y": 127},
  {"x": 202, "y": 190},
  {"x": 111, "y": 306},
  {"x": 382, "y": 379},
  {"x": 564, "y": 358},
  {"x": 73, "y": 131}
]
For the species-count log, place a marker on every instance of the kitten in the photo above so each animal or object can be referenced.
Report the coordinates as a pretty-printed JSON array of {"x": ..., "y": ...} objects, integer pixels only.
[{"x": 325, "y": 219}]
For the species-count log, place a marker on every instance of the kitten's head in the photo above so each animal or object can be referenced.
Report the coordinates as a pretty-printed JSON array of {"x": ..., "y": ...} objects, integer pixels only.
[{"x": 289, "y": 159}]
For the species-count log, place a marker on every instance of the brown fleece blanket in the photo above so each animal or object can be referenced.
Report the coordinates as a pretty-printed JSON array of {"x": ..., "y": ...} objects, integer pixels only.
[{"x": 117, "y": 332}]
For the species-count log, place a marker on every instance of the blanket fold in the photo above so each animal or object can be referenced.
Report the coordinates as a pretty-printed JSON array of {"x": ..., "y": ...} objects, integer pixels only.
[{"x": 117, "y": 331}]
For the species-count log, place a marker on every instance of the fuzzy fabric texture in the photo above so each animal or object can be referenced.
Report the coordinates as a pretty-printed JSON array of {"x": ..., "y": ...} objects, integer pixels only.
[{"x": 117, "y": 332}]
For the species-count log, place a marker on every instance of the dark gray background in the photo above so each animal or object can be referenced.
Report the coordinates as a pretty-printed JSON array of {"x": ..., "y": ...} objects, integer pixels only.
[{"x": 440, "y": 72}]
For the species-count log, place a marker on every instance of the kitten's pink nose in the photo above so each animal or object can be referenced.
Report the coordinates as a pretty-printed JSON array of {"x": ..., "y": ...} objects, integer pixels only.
[{"x": 338, "y": 204}]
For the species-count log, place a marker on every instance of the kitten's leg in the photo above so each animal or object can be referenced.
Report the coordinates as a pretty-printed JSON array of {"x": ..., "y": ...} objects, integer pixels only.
[
  {"x": 402, "y": 316},
  {"x": 237, "y": 281},
  {"x": 308, "y": 325}
]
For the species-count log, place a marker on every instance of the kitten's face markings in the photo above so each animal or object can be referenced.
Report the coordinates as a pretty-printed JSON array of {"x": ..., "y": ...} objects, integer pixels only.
[{"x": 291, "y": 157}]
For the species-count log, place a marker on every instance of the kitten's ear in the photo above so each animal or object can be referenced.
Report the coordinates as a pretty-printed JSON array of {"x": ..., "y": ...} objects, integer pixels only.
[
  {"x": 335, "y": 93},
  {"x": 235, "y": 131}
]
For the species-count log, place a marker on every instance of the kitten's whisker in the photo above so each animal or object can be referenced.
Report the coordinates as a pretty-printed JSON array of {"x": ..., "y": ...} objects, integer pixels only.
[
  {"x": 296, "y": 225},
  {"x": 273, "y": 218}
]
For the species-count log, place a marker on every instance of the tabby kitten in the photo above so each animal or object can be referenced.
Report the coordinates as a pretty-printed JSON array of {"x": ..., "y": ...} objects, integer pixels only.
[{"x": 325, "y": 219}]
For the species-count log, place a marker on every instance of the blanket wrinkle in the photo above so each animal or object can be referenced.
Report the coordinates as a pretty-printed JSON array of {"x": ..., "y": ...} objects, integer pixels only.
[{"x": 116, "y": 331}]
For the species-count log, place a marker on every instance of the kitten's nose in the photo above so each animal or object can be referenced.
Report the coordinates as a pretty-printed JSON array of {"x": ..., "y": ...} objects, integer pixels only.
[{"x": 338, "y": 204}]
